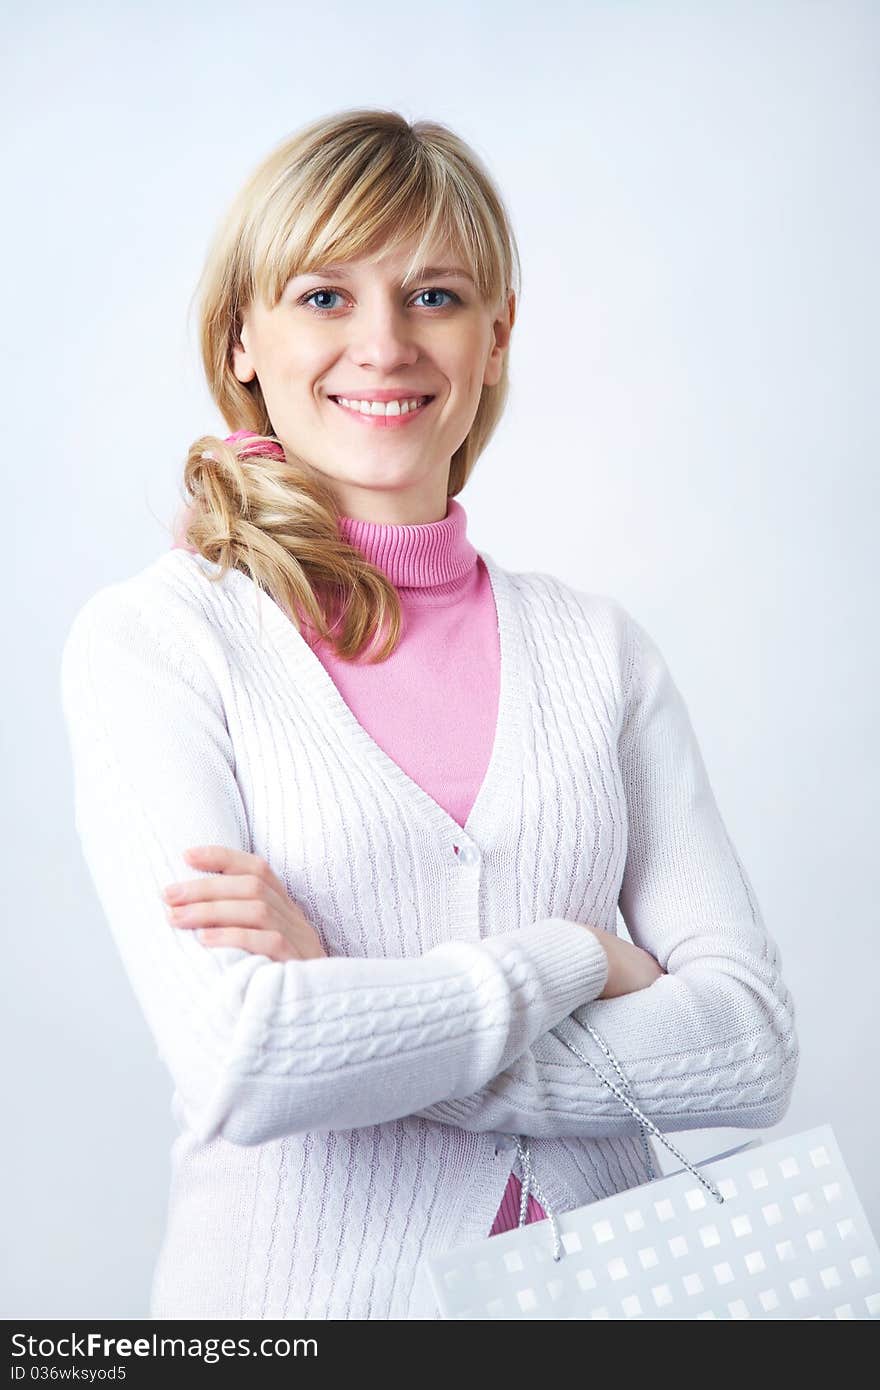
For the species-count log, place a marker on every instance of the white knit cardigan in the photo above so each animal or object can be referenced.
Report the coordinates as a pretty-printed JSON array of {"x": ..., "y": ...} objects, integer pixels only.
[{"x": 339, "y": 1119}]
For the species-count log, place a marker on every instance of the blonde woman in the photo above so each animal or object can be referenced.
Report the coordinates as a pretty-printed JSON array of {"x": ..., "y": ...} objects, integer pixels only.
[{"x": 361, "y": 805}]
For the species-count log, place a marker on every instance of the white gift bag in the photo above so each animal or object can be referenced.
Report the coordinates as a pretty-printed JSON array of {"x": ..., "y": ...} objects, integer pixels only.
[{"x": 772, "y": 1230}]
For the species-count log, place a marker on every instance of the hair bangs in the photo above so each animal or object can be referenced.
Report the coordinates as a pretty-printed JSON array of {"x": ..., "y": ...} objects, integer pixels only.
[{"x": 341, "y": 211}]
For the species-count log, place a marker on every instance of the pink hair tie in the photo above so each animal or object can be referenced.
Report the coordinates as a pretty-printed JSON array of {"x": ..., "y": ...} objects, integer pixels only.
[{"x": 266, "y": 448}]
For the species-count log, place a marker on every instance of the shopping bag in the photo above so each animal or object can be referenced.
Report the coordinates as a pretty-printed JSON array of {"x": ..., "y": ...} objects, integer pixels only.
[{"x": 766, "y": 1230}]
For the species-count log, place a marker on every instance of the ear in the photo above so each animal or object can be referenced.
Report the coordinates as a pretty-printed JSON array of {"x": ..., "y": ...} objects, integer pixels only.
[
  {"x": 242, "y": 364},
  {"x": 501, "y": 331}
]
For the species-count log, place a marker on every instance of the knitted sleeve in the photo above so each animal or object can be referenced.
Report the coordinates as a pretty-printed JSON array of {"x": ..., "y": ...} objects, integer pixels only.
[
  {"x": 712, "y": 1043},
  {"x": 258, "y": 1048}
]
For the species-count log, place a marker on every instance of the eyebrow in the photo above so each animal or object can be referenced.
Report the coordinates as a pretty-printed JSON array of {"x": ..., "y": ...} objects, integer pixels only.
[{"x": 423, "y": 273}]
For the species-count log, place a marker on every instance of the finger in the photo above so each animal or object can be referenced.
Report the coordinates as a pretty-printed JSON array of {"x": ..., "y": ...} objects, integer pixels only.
[
  {"x": 224, "y": 859},
  {"x": 245, "y": 912},
  {"x": 269, "y": 944},
  {"x": 222, "y": 886}
]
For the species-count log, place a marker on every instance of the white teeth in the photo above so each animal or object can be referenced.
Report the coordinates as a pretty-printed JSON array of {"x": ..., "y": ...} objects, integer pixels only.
[{"x": 382, "y": 407}]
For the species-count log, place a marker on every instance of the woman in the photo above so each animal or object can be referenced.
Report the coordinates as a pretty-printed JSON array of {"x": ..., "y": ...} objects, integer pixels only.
[{"x": 361, "y": 805}]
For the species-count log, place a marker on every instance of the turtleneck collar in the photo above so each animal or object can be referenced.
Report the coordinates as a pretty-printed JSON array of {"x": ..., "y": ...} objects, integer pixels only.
[{"x": 429, "y": 555}]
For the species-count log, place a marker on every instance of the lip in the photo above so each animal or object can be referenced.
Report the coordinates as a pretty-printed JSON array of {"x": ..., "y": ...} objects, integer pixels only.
[
  {"x": 398, "y": 393},
  {"x": 384, "y": 422}
]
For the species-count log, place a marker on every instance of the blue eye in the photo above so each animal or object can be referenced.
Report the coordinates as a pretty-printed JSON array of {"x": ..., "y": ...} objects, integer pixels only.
[
  {"x": 321, "y": 311},
  {"x": 436, "y": 291},
  {"x": 307, "y": 297}
]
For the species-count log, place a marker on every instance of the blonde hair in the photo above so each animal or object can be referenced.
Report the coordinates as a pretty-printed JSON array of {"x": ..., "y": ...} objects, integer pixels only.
[{"x": 354, "y": 184}]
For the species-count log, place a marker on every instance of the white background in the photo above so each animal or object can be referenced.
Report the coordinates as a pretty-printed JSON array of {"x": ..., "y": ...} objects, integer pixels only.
[{"x": 691, "y": 429}]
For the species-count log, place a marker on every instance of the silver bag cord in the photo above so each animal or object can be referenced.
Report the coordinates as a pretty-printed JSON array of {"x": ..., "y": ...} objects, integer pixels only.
[{"x": 530, "y": 1182}]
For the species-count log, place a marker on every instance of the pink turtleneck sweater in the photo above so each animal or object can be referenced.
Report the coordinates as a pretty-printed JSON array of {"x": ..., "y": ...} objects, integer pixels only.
[{"x": 432, "y": 706}]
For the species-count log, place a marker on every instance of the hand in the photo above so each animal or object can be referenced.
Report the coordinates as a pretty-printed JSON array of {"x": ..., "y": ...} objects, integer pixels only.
[
  {"x": 630, "y": 968},
  {"x": 245, "y": 905}
]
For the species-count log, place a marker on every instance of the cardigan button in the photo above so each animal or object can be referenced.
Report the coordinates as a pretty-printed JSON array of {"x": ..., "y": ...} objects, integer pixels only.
[{"x": 468, "y": 854}]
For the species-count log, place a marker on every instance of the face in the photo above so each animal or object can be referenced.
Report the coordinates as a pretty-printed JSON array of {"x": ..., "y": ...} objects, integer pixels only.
[{"x": 351, "y": 331}]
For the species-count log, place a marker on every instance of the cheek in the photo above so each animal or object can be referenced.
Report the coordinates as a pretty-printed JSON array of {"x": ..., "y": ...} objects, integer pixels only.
[
  {"x": 465, "y": 371},
  {"x": 289, "y": 357},
  {"x": 475, "y": 381},
  {"x": 473, "y": 363}
]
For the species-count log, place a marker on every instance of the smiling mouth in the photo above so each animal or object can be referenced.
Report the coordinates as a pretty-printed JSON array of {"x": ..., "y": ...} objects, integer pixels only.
[
  {"x": 390, "y": 409},
  {"x": 385, "y": 415}
]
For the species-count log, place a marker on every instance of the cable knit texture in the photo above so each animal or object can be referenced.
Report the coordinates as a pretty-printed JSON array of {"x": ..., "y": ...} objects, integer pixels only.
[
  {"x": 340, "y": 1119},
  {"x": 433, "y": 705}
]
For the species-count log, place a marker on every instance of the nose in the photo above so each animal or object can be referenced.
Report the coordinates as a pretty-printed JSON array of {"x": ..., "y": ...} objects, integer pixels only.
[{"x": 382, "y": 337}]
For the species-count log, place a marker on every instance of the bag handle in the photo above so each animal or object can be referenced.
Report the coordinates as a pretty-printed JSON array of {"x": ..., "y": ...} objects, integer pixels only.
[{"x": 530, "y": 1183}]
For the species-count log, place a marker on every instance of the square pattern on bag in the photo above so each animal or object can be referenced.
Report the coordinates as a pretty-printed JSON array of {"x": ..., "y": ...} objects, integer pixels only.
[{"x": 790, "y": 1241}]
